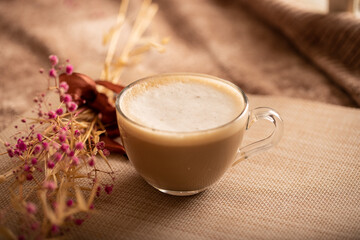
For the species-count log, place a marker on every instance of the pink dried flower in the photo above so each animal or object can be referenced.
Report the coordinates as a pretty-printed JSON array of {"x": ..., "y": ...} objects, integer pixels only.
[
  {"x": 78, "y": 221},
  {"x": 62, "y": 138},
  {"x": 100, "y": 145},
  {"x": 76, "y": 160},
  {"x": 91, "y": 206},
  {"x": 57, "y": 156},
  {"x": 51, "y": 114},
  {"x": 50, "y": 185},
  {"x": 91, "y": 162},
  {"x": 69, "y": 69},
  {"x": 17, "y": 152},
  {"x": 55, "y": 128},
  {"x": 41, "y": 70},
  {"x": 51, "y": 164},
  {"x": 79, "y": 146},
  {"x": 59, "y": 111},
  {"x": 55, "y": 229},
  {"x": 69, "y": 202},
  {"x": 52, "y": 73},
  {"x": 23, "y": 120},
  {"x": 26, "y": 168},
  {"x": 64, "y": 147},
  {"x": 106, "y": 152},
  {"x": 29, "y": 177},
  {"x": 34, "y": 161},
  {"x": 31, "y": 208},
  {"x": 37, "y": 149},
  {"x": 77, "y": 133},
  {"x": 67, "y": 98},
  {"x": 71, "y": 106},
  {"x": 53, "y": 60},
  {"x": 21, "y": 145},
  {"x": 10, "y": 152},
  {"x": 45, "y": 145},
  {"x": 64, "y": 86},
  {"x": 108, "y": 189},
  {"x": 98, "y": 190},
  {"x": 70, "y": 153}
]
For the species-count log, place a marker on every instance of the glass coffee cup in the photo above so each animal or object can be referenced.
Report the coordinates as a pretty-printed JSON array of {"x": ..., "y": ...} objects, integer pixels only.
[{"x": 182, "y": 131}]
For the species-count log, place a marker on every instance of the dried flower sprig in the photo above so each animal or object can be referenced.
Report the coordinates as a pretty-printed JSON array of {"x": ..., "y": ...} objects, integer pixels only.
[
  {"x": 135, "y": 46},
  {"x": 56, "y": 161},
  {"x": 58, "y": 175}
]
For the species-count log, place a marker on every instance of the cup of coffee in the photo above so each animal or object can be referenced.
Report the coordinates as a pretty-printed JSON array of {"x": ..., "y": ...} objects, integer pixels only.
[{"x": 182, "y": 131}]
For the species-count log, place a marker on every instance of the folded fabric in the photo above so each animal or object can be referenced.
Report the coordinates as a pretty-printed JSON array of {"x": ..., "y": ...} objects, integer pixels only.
[{"x": 331, "y": 41}]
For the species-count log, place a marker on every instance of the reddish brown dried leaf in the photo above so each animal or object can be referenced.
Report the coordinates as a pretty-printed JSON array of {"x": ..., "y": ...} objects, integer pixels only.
[
  {"x": 112, "y": 86},
  {"x": 112, "y": 146},
  {"x": 113, "y": 131},
  {"x": 106, "y": 110},
  {"x": 83, "y": 90},
  {"x": 81, "y": 87}
]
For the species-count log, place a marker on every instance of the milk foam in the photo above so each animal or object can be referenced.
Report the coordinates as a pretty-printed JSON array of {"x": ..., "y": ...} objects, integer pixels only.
[{"x": 182, "y": 104}]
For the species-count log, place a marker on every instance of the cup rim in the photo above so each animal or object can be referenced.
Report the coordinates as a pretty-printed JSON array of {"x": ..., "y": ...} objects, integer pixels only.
[{"x": 118, "y": 98}]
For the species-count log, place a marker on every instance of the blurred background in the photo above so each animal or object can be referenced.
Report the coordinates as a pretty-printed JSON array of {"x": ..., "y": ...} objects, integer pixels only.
[{"x": 289, "y": 48}]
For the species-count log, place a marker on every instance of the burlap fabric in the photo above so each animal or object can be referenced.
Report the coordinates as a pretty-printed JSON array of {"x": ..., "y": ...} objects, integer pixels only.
[{"x": 308, "y": 187}]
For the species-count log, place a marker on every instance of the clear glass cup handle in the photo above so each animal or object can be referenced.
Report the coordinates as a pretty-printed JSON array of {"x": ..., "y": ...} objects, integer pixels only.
[{"x": 255, "y": 115}]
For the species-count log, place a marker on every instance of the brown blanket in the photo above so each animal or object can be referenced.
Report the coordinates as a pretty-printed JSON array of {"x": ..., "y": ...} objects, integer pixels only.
[{"x": 266, "y": 47}]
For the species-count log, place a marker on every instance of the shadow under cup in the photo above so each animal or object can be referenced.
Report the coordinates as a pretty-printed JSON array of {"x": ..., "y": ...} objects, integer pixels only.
[{"x": 182, "y": 163}]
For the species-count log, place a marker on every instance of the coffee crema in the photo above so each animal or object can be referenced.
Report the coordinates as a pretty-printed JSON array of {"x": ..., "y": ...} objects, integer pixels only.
[{"x": 182, "y": 105}]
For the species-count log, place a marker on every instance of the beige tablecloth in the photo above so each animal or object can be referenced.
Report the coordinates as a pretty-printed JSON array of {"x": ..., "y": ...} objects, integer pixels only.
[{"x": 308, "y": 187}]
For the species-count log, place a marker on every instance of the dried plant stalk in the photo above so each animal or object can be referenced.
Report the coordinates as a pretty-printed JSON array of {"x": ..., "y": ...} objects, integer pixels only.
[
  {"x": 56, "y": 151},
  {"x": 56, "y": 161},
  {"x": 135, "y": 46}
]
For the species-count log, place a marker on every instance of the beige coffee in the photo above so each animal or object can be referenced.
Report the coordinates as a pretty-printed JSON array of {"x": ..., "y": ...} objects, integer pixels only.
[{"x": 181, "y": 132}]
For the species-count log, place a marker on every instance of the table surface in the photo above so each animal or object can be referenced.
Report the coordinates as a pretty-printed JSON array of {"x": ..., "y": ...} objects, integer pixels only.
[{"x": 308, "y": 187}]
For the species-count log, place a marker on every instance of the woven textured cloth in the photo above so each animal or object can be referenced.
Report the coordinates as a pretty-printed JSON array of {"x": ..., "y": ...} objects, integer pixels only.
[{"x": 308, "y": 187}]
